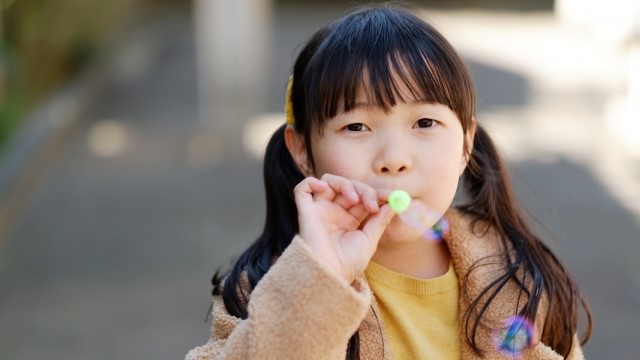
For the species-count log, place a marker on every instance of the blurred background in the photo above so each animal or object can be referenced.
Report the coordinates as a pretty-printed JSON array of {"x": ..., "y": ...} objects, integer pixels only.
[{"x": 131, "y": 134}]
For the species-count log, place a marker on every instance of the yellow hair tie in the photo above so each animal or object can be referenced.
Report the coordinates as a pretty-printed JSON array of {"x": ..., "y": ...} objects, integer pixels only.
[{"x": 288, "y": 106}]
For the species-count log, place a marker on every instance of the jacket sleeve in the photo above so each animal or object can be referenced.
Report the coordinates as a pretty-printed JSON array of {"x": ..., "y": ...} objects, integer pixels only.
[
  {"x": 542, "y": 351},
  {"x": 299, "y": 310},
  {"x": 576, "y": 350}
]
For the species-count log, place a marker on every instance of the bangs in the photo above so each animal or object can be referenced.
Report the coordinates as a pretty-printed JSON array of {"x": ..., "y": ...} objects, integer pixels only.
[{"x": 383, "y": 52}]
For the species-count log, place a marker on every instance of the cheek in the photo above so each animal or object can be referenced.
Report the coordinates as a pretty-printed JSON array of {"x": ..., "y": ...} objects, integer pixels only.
[
  {"x": 444, "y": 177},
  {"x": 335, "y": 167},
  {"x": 444, "y": 164},
  {"x": 330, "y": 157},
  {"x": 443, "y": 189}
]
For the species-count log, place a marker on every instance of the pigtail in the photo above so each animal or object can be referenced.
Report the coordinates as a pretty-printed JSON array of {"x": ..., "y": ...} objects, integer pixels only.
[
  {"x": 281, "y": 175},
  {"x": 530, "y": 263}
]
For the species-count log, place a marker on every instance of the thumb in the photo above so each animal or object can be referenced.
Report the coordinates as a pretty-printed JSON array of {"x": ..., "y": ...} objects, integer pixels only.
[{"x": 377, "y": 224}]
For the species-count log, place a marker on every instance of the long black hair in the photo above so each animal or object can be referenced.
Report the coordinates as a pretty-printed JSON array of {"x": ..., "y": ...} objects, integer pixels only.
[{"x": 375, "y": 46}]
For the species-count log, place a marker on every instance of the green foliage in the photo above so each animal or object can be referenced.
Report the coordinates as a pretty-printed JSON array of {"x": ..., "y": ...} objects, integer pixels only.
[{"x": 42, "y": 42}]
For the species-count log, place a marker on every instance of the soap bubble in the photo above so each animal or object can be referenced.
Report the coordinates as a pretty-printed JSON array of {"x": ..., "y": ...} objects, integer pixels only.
[
  {"x": 431, "y": 224},
  {"x": 515, "y": 336}
]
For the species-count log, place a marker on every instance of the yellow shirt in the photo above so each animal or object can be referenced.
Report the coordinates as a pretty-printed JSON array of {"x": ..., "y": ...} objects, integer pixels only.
[{"x": 420, "y": 317}]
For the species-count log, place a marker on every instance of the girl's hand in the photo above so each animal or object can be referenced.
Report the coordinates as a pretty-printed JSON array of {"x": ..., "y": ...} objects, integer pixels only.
[{"x": 341, "y": 221}]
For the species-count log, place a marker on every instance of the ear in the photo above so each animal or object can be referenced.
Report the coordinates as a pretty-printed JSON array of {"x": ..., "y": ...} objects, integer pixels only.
[
  {"x": 298, "y": 149},
  {"x": 468, "y": 137}
]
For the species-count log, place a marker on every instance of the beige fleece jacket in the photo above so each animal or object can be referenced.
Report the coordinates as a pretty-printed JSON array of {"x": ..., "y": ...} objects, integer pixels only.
[{"x": 300, "y": 310}]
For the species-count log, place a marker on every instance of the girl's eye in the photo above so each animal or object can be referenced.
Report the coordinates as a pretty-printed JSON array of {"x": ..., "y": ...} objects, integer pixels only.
[
  {"x": 357, "y": 127},
  {"x": 425, "y": 123}
]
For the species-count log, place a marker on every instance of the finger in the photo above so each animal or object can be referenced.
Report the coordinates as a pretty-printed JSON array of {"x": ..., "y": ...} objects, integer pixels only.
[
  {"x": 342, "y": 186},
  {"x": 368, "y": 196},
  {"x": 364, "y": 195},
  {"x": 306, "y": 189},
  {"x": 377, "y": 224},
  {"x": 359, "y": 212},
  {"x": 382, "y": 195},
  {"x": 344, "y": 202}
]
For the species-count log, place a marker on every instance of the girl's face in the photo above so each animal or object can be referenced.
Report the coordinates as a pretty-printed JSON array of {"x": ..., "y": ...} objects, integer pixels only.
[{"x": 416, "y": 146}]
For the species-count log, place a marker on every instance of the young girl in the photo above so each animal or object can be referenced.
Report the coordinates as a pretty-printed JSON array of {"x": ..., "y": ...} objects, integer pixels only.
[{"x": 379, "y": 100}]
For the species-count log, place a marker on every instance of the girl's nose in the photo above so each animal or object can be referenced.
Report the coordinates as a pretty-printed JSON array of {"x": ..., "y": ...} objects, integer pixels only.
[{"x": 393, "y": 159}]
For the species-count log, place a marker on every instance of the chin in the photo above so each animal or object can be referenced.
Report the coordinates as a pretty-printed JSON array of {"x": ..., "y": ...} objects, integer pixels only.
[{"x": 398, "y": 232}]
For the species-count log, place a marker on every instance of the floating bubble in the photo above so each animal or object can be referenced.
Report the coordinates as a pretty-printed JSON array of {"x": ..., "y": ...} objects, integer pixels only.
[
  {"x": 516, "y": 336},
  {"x": 439, "y": 230},
  {"x": 416, "y": 214}
]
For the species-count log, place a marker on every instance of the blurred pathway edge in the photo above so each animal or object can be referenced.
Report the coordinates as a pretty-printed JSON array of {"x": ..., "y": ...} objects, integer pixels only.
[{"x": 34, "y": 146}]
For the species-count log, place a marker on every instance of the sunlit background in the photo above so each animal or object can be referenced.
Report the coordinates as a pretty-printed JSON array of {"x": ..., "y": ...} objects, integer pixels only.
[{"x": 131, "y": 136}]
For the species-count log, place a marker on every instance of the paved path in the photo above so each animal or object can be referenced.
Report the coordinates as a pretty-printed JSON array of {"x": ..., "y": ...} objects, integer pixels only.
[{"x": 112, "y": 255}]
